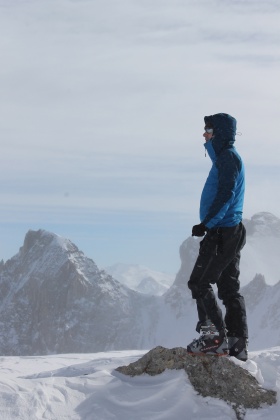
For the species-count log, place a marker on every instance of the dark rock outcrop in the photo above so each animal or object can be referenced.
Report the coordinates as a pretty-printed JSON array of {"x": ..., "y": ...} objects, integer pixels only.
[{"x": 216, "y": 377}]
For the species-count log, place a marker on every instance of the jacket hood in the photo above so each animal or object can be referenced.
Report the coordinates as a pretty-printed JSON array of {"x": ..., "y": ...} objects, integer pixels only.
[{"x": 224, "y": 126}]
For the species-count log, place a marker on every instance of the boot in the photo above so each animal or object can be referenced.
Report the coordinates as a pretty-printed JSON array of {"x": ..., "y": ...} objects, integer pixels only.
[
  {"x": 211, "y": 342},
  {"x": 238, "y": 347}
]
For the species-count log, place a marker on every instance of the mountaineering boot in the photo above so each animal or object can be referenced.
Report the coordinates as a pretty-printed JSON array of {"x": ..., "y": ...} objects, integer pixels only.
[
  {"x": 211, "y": 342},
  {"x": 203, "y": 326},
  {"x": 238, "y": 347}
]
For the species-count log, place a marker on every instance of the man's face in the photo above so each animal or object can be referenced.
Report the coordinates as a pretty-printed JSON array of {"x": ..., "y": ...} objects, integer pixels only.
[{"x": 208, "y": 133}]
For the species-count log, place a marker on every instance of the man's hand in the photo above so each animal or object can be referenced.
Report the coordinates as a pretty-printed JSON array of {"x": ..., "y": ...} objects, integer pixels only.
[{"x": 199, "y": 230}]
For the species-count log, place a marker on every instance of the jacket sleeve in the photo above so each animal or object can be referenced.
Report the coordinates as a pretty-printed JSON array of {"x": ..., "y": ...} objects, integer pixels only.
[{"x": 228, "y": 166}]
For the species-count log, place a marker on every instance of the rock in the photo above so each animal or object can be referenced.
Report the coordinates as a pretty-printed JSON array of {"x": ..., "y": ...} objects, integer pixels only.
[
  {"x": 156, "y": 361},
  {"x": 211, "y": 376}
]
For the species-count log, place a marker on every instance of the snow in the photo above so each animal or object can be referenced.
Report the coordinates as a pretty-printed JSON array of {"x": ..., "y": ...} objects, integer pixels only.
[
  {"x": 140, "y": 278},
  {"x": 87, "y": 387}
]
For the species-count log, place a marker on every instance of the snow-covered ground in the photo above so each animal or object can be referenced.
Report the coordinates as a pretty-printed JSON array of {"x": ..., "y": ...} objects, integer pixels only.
[{"x": 86, "y": 386}]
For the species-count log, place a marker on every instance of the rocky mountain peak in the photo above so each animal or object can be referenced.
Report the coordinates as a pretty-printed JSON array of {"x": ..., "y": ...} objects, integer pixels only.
[
  {"x": 55, "y": 299},
  {"x": 263, "y": 224},
  {"x": 32, "y": 238},
  {"x": 43, "y": 255},
  {"x": 254, "y": 291},
  {"x": 41, "y": 240}
]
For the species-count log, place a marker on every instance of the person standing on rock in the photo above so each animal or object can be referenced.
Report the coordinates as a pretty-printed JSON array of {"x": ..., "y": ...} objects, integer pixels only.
[{"x": 221, "y": 225}]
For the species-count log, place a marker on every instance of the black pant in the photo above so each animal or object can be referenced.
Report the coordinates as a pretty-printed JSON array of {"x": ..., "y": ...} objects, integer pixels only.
[{"x": 218, "y": 262}]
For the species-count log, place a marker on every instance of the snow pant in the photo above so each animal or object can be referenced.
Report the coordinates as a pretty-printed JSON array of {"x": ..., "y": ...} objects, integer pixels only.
[{"x": 218, "y": 262}]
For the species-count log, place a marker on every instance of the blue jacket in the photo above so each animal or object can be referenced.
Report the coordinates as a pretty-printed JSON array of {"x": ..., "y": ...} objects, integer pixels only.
[{"x": 222, "y": 197}]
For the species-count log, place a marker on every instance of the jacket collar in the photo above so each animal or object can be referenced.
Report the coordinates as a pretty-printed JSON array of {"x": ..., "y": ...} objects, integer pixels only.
[{"x": 210, "y": 150}]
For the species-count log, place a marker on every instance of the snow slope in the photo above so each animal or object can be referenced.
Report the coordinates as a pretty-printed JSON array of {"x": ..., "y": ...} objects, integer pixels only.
[{"x": 86, "y": 387}]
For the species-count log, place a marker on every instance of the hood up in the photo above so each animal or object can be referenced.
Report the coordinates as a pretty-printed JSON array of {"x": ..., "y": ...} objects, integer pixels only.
[{"x": 224, "y": 126}]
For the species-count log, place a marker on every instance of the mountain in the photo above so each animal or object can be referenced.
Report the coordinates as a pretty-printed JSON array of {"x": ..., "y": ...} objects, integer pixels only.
[
  {"x": 259, "y": 262},
  {"x": 261, "y": 252},
  {"x": 55, "y": 300},
  {"x": 263, "y": 307},
  {"x": 141, "y": 278}
]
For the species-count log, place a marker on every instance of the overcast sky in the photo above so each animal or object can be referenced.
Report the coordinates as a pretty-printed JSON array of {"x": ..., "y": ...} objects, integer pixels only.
[{"x": 102, "y": 105}]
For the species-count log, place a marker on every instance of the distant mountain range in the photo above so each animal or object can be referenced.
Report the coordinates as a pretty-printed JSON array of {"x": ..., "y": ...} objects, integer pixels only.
[
  {"x": 140, "y": 278},
  {"x": 260, "y": 255},
  {"x": 55, "y": 300}
]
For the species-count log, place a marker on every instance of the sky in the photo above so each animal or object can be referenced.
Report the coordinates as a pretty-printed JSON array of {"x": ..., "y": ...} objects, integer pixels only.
[{"x": 102, "y": 105}]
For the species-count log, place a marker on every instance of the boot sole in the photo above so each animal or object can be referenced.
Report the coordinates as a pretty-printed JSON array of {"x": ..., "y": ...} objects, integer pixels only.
[{"x": 208, "y": 354}]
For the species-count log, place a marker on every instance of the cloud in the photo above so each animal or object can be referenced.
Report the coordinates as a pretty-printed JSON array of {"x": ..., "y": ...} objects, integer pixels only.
[
  {"x": 102, "y": 104},
  {"x": 98, "y": 182}
]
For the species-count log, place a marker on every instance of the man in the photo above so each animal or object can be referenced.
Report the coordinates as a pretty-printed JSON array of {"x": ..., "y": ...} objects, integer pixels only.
[{"x": 221, "y": 208}]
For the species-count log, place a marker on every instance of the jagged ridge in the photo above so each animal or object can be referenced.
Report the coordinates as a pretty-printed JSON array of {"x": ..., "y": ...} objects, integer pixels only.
[{"x": 55, "y": 300}]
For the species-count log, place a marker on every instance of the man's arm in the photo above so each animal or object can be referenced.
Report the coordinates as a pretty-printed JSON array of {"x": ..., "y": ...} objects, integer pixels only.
[{"x": 229, "y": 167}]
